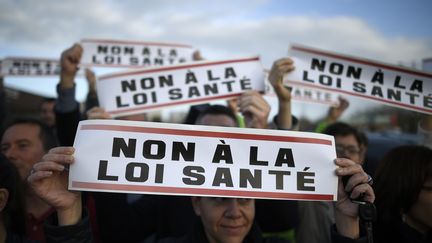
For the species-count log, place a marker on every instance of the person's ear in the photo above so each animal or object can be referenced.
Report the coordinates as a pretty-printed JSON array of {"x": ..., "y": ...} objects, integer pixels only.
[
  {"x": 4, "y": 196},
  {"x": 196, "y": 202}
]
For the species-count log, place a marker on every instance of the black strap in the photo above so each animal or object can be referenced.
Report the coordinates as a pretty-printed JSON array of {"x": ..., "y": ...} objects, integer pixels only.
[{"x": 367, "y": 214}]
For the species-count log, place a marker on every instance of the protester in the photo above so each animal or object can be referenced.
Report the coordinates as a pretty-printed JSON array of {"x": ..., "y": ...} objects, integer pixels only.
[
  {"x": 284, "y": 119},
  {"x": 12, "y": 211},
  {"x": 47, "y": 112},
  {"x": 24, "y": 143},
  {"x": 333, "y": 114},
  {"x": 92, "y": 99},
  {"x": 347, "y": 223},
  {"x": 160, "y": 216},
  {"x": 317, "y": 217},
  {"x": 67, "y": 108},
  {"x": 279, "y": 218},
  {"x": 403, "y": 185}
]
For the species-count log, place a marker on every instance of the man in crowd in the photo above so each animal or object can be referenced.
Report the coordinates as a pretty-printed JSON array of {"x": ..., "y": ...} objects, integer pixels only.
[
  {"x": 317, "y": 217},
  {"x": 24, "y": 143},
  {"x": 47, "y": 112}
]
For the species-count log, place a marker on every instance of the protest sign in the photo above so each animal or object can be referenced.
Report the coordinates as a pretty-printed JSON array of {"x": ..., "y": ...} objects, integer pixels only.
[
  {"x": 30, "y": 66},
  {"x": 175, "y": 159},
  {"x": 307, "y": 94},
  {"x": 387, "y": 84},
  {"x": 135, "y": 91},
  {"x": 117, "y": 53}
]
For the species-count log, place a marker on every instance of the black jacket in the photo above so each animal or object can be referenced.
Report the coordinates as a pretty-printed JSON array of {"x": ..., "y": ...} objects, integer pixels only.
[
  {"x": 197, "y": 235},
  {"x": 399, "y": 232},
  {"x": 78, "y": 233}
]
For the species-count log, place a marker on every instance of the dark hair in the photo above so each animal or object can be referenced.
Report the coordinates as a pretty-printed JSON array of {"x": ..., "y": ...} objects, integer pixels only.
[
  {"x": 343, "y": 129},
  {"x": 218, "y": 110},
  {"x": 46, "y": 134},
  {"x": 194, "y": 112},
  {"x": 14, "y": 212},
  {"x": 46, "y": 100},
  {"x": 398, "y": 180}
]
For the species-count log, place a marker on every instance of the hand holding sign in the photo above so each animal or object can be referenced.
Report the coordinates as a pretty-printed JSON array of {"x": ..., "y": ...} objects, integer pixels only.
[
  {"x": 98, "y": 113},
  {"x": 335, "y": 113},
  {"x": 69, "y": 60},
  {"x": 346, "y": 212},
  {"x": 49, "y": 179},
  {"x": 283, "y": 92},
  {"x": 279, "y": 69},
  {"x": 254, "y": 108}
]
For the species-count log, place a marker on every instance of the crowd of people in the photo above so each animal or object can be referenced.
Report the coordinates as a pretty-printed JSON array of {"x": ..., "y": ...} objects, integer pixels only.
[{"x": 36, "y": 205}]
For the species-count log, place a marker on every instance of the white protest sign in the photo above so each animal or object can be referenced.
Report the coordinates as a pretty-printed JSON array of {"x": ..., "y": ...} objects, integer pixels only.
[
  {"x": 307, "y": 94},
  {"x": 117, "y": 53},
  {"x": 391, "y": 85},
  {"x": 30, "y": 66},
  {"x": 162, "y": 158},
  {"x": 135, "y": 91}
]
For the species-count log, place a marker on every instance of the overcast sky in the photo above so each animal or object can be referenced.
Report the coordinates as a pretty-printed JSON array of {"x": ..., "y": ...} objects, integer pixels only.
[{"x": 393, "y": 31}]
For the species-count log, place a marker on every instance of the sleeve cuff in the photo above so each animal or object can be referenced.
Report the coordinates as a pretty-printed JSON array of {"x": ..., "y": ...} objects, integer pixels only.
[
  {"x": 79, "y": 232},
  {"x": 66, "y": 100},
  {"x": 294, "y": 123},
  {"x": 338, "y": 238}
]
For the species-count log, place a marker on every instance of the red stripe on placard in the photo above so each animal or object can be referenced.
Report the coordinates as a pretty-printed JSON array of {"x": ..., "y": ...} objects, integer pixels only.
[
  {"x": 145, "y": 107},
  {"x": 195, "y": 133},
  {"x": 361, "y": 61},
  {"x": 31, "y": 59},
  {"x": 184, "y": 66},
  {"x": 135, "y": 43},
  {"x": 199, "y": 191},
  {"x": 364, "y": 96}
]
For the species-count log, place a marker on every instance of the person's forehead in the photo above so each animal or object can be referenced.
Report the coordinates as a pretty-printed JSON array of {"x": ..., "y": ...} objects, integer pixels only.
[
  {"x": 349, "y": 139},
  {"x": 24, "y": 131}
]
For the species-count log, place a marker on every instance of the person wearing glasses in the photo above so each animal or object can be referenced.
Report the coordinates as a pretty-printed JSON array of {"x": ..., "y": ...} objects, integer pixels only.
[{"x": 317, "y": 217}]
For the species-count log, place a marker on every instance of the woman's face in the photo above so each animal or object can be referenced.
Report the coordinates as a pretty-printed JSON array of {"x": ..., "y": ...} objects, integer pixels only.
[
  {"x": 419, "y": 216},
  {"x": 225, "y": 220}
]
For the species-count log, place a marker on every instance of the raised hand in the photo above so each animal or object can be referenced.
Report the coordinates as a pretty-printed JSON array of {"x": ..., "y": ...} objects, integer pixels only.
[
  {"x": 49, "y": 180},
  {"x": 254, "y": 108},
  {"x": 69, "y": 62}
]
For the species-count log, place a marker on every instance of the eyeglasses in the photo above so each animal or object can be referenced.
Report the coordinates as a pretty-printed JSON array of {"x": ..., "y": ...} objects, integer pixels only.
[{"x": 348, "y": 150}]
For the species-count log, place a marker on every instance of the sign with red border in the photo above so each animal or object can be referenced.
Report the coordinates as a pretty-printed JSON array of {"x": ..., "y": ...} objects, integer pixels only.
[
  {"x": 387, "y": 84},
  {"x": 175, "y": 159}
]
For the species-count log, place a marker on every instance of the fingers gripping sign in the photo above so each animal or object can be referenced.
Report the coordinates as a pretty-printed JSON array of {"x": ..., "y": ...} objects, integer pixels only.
[
  {"x": 69, "y": 61},
  {"x": 358, "y": 182},
  {"x": 346, "y": 210},
  {"x": 254, "y": 108},
  {"x": 49, "y": 180},
  {"x": 277, "y": 72},
  {"x": 98, "y": 113}
]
